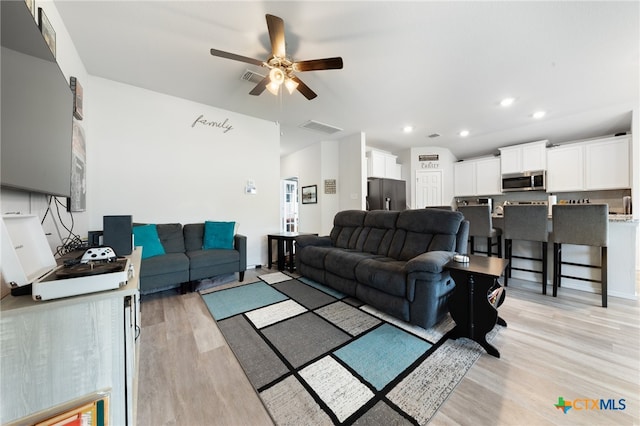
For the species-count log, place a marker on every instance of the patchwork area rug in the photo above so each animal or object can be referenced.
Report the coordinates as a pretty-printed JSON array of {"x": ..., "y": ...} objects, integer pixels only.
[{"x": 318, "y": 357}]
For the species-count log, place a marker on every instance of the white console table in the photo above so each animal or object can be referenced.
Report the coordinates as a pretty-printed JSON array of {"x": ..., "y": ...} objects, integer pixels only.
[{"x": 58, "y": 351}]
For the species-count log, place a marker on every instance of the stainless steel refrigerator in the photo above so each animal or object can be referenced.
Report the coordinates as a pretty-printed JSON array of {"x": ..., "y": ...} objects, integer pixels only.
[{"x": 386, "y": 194}]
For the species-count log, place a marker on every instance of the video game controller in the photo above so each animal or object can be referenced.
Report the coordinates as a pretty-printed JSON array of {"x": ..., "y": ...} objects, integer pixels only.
[{"x": 98, "y": 253}]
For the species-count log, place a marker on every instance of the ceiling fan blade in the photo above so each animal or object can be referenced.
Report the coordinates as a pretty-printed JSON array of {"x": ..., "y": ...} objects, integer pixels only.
[
  {"x": 318, "y": 64},
  {"x": 260, "y": 87},
  {"x": 227, "y": 55},
  {"x": 304, "y": 89},
  {"x": 276, "y": 34}
]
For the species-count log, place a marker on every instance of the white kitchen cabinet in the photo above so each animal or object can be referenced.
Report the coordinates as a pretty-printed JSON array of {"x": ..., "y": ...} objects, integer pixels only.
[
  {"x": 607, "y": 164},
  {"x": 589, "y": 166},
  {"x": 565, "y": 168},
  {"x": 381, "y": 164},
  {"x": 488, "y": 176},
  {"x": 477, "y": 177},
  {"x": 524, "y": 157},
  {"x": 464, "y": 178}
]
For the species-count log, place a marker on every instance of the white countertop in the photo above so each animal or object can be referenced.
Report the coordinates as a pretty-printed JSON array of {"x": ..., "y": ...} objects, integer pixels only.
[{"x": 612, "y": 218}]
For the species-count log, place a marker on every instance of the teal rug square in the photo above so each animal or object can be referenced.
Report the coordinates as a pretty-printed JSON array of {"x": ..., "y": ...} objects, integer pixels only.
[
  {"x": 233, "y": 301},
  {"x": 383, "y": 353}
]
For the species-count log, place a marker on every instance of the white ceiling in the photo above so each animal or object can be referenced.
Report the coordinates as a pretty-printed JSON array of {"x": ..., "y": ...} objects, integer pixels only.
[{"x": 439, "y": 66}]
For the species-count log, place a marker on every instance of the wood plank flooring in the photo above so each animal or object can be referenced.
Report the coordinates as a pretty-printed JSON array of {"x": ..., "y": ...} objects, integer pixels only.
[{"x": 567, "y": 347}]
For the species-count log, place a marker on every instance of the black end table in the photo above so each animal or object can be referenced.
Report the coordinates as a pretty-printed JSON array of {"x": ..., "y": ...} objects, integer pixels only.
[
  {"x": 476, "y": 298},
  {"x": 282, "y": 239}
]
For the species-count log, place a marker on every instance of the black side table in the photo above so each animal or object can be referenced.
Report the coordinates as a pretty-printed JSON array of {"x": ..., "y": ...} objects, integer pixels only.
[
  {"x": 282, "y": 239},
  {"x": 476, "y": 298}
]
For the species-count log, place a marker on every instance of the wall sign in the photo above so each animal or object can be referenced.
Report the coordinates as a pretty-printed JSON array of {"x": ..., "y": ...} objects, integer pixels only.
[
  {"x": 429, "y": 165},
  {"x": 429, "y": 161},
  {"x": 329, "y": 186},
  {"x": 224, "y": 125}
]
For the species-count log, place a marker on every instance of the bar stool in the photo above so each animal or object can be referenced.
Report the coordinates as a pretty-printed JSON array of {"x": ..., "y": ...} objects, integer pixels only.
[
  {"x": 582, "y": 224},
  {"x": 526, "y": 223},
  {"x": 481, "y": 225}
]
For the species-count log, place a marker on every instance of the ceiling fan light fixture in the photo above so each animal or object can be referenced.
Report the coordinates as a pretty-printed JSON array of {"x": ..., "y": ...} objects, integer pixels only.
[
  {"x": 273, "y": 88},
  {"x": 281, "y": 68},
  {"x": 276, "y": 75},
  {"x": 291, "y": 85}
]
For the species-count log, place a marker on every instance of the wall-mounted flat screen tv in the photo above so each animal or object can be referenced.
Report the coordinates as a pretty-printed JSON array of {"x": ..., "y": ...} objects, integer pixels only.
[{"x": 37, "y": 125}]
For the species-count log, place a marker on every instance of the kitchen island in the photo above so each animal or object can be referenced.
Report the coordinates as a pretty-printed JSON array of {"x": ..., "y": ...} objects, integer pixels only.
[{"x": 623, "y": 230}]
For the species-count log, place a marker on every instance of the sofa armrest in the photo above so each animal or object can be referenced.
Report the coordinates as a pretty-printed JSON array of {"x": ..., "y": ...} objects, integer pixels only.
[
  {"x": 240, "y": 244},
  {"x": 313, "y": 240},
  {"x": 431, "y": 261}
]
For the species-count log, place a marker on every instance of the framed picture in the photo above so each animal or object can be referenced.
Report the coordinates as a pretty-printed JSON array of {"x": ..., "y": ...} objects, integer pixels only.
[
  {"x": 310, "y": 194},
  {"x": 94, "y": 412},
  {"x": 78, "y": 200},
  {"x": 31, "y": 4},
  {"x": 76, "y": 88},
  {"x": 47, "y": 31},
  {"x": 91, "y": 409}
]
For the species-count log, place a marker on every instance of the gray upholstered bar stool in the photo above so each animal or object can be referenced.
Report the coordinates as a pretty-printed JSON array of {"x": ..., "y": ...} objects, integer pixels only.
[
  {"x": 581, "y": 224},
  {"x": 526, "y": 223},
  {"x": 481, "y": 225}
]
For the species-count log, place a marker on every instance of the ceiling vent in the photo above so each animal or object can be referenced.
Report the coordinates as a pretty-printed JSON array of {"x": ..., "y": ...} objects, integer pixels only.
[
  {"x": 252, "y": 77},
  {"x": 316, "y": 126},
  {"x": 434, "y": 135}
]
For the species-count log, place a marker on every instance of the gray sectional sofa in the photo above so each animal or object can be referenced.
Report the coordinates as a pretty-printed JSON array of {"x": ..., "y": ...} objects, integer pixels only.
[
  {"x": 185, "y": 261},
  {"x": 390, "y": 260}
]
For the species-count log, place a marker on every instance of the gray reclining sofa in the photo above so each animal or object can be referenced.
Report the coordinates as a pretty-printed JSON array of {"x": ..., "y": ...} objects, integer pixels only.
[{"x": 390, "y": 260}]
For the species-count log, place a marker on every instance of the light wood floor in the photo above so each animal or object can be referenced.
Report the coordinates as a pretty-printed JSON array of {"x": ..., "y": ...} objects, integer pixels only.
[{"x": 567, "y": 347}]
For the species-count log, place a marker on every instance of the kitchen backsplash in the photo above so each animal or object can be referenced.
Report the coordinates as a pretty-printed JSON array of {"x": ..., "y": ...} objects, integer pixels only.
[{"x": 611, "y": 197}]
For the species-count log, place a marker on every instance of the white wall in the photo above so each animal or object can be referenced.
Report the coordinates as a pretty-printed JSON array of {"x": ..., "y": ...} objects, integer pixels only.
[
  {"x": 342, "y": 160},
  {"x": 330, "y": 170},
  {"x": 305, "y": 165},
  {"x": 353, "y": 172},
  {"x": 152, "y": 159}
]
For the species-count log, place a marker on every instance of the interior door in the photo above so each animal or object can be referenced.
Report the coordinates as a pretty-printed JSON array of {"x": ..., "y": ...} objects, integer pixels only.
[
  {"x": 428, "y": 188},
  {"x": 289, "y": 206}
]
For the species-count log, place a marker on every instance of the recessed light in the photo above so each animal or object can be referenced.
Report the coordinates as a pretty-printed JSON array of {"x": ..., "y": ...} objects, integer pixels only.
[
  {"x": 407, "y": 129},
  {"x": 464, "y": 133},
  {"x": 539, "y": 114},
  {"x": 507, "y": 102}
]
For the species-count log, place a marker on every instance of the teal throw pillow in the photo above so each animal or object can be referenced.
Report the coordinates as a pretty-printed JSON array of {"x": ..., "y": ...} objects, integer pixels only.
[
  {"x": 218, "y": 235},
  {"x": 147, "y": 237}
]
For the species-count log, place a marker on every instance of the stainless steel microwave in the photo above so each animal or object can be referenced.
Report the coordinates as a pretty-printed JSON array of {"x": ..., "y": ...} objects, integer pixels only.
[{"x": 526, "y": 181}]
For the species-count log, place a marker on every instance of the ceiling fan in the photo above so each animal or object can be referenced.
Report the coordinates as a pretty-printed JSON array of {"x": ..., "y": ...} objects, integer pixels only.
[{"x": 282, "y": 69}]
